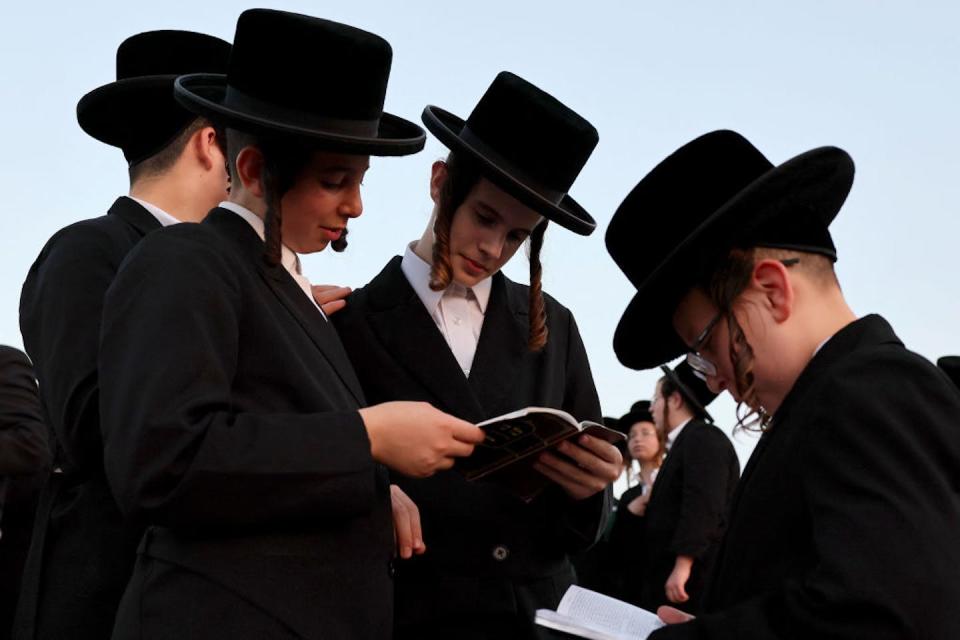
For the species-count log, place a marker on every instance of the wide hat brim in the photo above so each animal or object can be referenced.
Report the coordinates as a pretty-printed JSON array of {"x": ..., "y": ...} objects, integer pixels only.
[
  {"x": 116, "y": 112},
  {"x": 204, "y": 94},
  {"x": 815, "y": 183},
  {"x": 567, "y": 213}
]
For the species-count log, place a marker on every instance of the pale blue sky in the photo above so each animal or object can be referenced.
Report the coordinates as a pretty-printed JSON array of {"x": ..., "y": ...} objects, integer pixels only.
[{"x": 877, "y": 78}]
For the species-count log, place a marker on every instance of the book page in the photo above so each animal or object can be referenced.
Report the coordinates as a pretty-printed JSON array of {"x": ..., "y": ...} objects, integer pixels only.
[{"x": 611, "y": 615}]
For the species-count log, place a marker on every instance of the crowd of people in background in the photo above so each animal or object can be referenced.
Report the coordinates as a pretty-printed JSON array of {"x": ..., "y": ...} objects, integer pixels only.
[{"x": 218, "y": 448}]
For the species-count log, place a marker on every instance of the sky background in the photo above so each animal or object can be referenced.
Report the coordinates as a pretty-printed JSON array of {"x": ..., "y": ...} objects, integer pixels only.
[{"x": 880, "y": 79}]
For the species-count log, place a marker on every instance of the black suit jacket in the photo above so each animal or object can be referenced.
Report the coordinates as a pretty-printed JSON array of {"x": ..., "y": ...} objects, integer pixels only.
[
  {"x": 846, "y": 520},
  {"x": 483, "y": 543},
  {"x": 687, "y": 511},
  {"x": 82, "y": 552},
  {"x": 24, "y": 461},
  {"x": 230, "y": 424}
]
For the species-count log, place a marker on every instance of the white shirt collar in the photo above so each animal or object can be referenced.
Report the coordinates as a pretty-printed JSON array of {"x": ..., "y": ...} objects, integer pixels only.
[
  {"x": 417, "y": 271},
  {"x": 672, "y": 436},
  {"x": 164, "y": 218},
  {"x": 289, "y": 259}
]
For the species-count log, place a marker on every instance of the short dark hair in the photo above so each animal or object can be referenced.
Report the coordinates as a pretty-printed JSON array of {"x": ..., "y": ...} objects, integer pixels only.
[{"x": 164, "y": 159}]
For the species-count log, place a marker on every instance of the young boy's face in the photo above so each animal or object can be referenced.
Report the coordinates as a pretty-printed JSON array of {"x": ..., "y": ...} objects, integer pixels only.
[
  {"x": 486, "y": 230},
  {"x": 323, "y": 200}
]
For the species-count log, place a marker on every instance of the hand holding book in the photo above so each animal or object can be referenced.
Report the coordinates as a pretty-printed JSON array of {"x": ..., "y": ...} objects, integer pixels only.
[
  {"x": 590, "y": 465},
  {"x": 513, "y": 442}
]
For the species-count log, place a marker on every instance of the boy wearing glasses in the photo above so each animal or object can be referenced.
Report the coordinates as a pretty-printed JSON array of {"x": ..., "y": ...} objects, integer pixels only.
[
  {"x": 845, "y": 520},
  {"x": 687, "y": 510}
]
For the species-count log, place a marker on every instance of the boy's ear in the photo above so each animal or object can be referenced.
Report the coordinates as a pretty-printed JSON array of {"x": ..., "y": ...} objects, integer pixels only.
[
  {"x": 438, "y": 177},
  {"x": 250, "y": 170},
  {"x": 772, "y": 280}
]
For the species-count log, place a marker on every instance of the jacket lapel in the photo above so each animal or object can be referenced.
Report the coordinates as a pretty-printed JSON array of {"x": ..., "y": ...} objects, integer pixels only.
[
  {"x": 502, "y": 346},
  {"x": 131, "y": 212},
  {"x": 291, "y": 296},
  {"x": 409, "y": 334}
]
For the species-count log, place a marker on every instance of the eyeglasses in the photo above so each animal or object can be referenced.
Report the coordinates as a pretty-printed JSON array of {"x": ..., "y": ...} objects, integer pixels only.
[{"x": 702, "y": 367}]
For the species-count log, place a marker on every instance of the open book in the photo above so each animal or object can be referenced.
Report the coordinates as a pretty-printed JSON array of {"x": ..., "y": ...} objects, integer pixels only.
[
  {"x": 513, "y": 439},
  {"x": 588, "y": 614}
]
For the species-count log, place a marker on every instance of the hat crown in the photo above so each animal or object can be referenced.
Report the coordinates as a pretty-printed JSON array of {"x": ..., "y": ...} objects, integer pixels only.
[
  {"x": 533, "y": 131},
  {"x": 310, "y": 65},
  {"x": 171, "y": 52},
  {"x": 677, "y": 195}
]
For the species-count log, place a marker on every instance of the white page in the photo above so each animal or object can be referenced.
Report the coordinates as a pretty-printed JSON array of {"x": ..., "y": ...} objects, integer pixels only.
[{"x": 608, "y": 613}]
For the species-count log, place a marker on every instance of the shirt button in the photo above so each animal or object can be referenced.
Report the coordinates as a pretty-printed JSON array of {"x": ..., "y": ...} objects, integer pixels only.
[
  {"x": 500, "y": 552},
  {"x": 457, "y": 320}
]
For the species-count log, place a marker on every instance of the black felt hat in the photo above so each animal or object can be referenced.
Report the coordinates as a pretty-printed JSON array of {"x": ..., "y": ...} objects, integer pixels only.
[
  {"x": 527, "y": 143},
  {"x": 639, "y": 412},
  {"x": 295, "y": 76},
  {"x": 710, "y": 196},
  {"x": 138, "y": 112},
  {"x": 694, "y": 390},
  {"x": 951, "y": 366}
]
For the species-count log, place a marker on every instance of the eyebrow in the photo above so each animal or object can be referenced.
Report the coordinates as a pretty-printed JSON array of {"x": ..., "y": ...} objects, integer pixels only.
[{"x": 496, "y": 214}]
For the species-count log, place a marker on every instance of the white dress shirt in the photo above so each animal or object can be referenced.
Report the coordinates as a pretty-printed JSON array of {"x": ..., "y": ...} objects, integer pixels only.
[
  {"x": 164, "y": 218},
  {"x": 457, "y": 311},
  {"x": 289, "y": 259}
]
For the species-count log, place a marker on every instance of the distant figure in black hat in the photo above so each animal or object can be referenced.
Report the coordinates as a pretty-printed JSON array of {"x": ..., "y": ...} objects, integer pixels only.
[
  {"x": 687, "y": 508},
  {"x": 845, "y": 522},
  {"x": 24, "y": 464},
  {"x": 234, "y": 425},
  {"x": 442, "y": 324},
  {"x": 951, "y": 366},
  {"x": 82, "y": 552}
]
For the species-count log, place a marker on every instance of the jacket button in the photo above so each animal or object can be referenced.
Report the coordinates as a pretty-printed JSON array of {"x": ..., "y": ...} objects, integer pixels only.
[
  {"x": 500, "y": 552},
  {"x": 391, "y": 569}
]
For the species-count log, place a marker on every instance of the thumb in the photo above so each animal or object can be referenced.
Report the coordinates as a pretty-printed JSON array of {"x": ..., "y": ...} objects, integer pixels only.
[{"x": 673, "y": 616}]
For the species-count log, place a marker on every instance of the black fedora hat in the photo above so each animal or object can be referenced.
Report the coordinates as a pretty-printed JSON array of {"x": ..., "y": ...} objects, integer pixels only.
[
  {"x": 138, "y": 112},
  {"x": 951, "y": 366},
  {"x": 527, "y": 143},
  {"x": 694, "y": 390},
  {"x": 295, "y": 76},
  {"x": 715, "y": 193},
  {"x": 639, "y": 412}
]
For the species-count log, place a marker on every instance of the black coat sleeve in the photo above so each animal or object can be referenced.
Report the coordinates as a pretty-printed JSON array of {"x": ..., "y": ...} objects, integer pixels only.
[
  {"x": 707, "y": 458},
  {"x": 584, "y": 520},
  {"x": 178, "y": 450},
  {"x": 60, "y": 310},
  {"x": 24, "y": 445},
  {"x": 880, "y": 483}
]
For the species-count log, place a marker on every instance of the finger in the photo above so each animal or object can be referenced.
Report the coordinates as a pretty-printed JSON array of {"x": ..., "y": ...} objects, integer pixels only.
[
  {"x": 599, "y": 448},
  {"x": 331, "y": 308},
  {"x": 682, "y": 593},
  {"x": 672, "y": 616},
  {"x": 401, "y": 522},
  {"x": 457, "y": 449},
  {"x": 572, "y": 472},
  {"x": 590, "y": 461},
  {"x": 413, "y": 517},
  {"x": 328, "y": 293},
  {"x": 466, "y": 432}
]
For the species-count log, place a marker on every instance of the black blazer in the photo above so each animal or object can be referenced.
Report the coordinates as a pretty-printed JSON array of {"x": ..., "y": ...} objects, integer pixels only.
[
  {"x": 65, "y": 593},
  {"x": 24, "y": 461},
  {"x": 845, "y": 522},
  {"x": 687, "y": 511},
  {"x": 230, "y": 425},
  {"x": 482, "y": 542}
]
